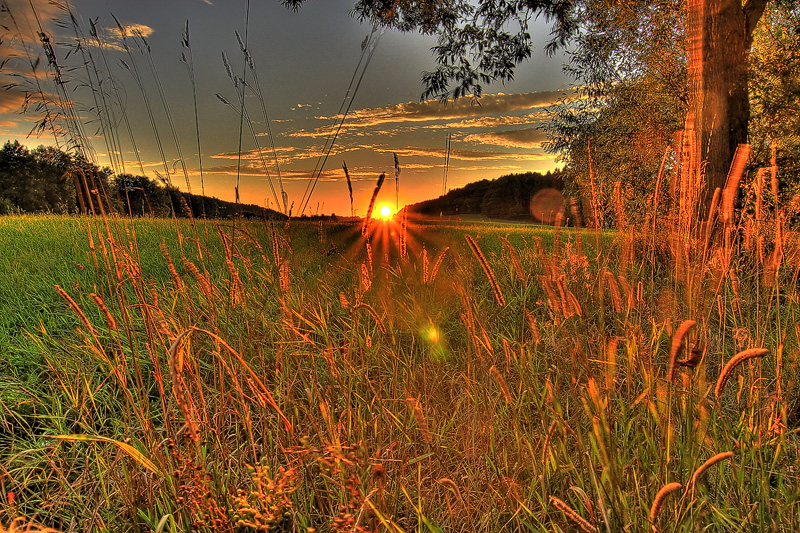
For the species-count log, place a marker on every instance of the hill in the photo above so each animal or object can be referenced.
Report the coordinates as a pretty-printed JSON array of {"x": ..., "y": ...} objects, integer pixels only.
[{"x": 508, "y": 197}]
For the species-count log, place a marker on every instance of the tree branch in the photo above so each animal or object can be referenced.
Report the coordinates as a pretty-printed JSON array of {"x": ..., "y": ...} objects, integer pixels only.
[{"x": 753, "y": 9}]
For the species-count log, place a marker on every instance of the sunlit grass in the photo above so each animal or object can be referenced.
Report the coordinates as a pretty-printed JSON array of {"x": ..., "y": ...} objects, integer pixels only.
[{"x": 305, "y": 375}]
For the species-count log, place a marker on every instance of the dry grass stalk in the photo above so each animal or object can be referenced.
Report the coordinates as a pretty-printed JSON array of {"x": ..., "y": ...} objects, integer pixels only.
[
  {"x": 677, "y": 342},
  {"x": 202, "y": 281},
  {"x": 370, "y": 257},
  {"x": 76, "y": 309},
  {"x": 284, "y": 277},
  {"x": 176, "y": 279},
  {"x": 665, "y": 491},
  {"x": 236, "y": 286},
  {"x": 371, "y": 311},
  {"x": 537, "y": 338},
  {"x": 611, "y": 362},
  {"x": 112, "y": 324},
  {"x": 375, "y": 192},
  {"x": 507, "y": 353},
  {"x": 705, "y": 466},
  {"x": 732, "y": 183},
  {"x": 732, "y": 364},
  {"x": 759, "y": 186},
  {"x": 176, "y": 373},
  {"x": 343, "y": 301},
  {"x": 436, "y": 264},
  {"x": 424, "y": 264},
  {"x": 515, "y": 262},
  {"x": 404, "y": 234},
  {"x": 616, "y": 298},
  {"x": 552, "y": 299},
  {"x": 349, "y": 187},
  {"x": 419, "y": 416},
  {"x": 476, "y": 251},
  {"x": 501, "y": 382},
  {"x": 631, "y": 300},
  {"x": 573, "y": 515},
  {"x": 569, "y": 302},
  {"x": 366, "y": 279}
]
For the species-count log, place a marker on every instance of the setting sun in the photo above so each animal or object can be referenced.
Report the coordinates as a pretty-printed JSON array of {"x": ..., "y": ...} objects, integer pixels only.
[{"x": 386, "y": 212}]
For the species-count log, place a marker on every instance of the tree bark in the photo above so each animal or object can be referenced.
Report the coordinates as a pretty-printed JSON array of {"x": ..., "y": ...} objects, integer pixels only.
[{"x": 720, "y": 37}]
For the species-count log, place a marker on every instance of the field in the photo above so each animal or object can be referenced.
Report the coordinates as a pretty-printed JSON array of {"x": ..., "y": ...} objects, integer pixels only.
[{"x": 454, "y": 376}]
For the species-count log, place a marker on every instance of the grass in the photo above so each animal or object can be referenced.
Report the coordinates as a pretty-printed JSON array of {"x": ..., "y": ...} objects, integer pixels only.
[{"x": 292, "y": 378}]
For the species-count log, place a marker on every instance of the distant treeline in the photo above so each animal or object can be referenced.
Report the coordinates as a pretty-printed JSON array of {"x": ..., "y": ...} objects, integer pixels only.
[
  {"x": 49, "y": 180},
  {"x": 505, "y": 197}
]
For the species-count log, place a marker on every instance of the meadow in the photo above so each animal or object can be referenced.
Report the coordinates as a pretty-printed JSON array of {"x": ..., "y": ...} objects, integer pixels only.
[{"x": 402, "y": 376}]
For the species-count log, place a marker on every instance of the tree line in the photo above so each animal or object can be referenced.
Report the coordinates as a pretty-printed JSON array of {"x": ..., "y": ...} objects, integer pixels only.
[
  {"x": 507, "y": 197},
  {"x": 49, "y": 180}
]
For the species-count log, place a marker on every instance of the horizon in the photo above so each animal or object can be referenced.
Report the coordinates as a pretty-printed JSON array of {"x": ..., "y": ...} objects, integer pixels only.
[{"x": 496, "y": 137}]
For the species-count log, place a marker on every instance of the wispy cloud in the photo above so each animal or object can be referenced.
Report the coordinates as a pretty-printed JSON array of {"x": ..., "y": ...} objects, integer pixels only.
[
  {"x": 11, "y": 101},
  {"x": 491, "y": 104},
  {"x": 465, "y": 155},
  {"x": 130, "y": 29},
  {"x": 494, "y": 122},
  {"x": 520, "y": 138}
]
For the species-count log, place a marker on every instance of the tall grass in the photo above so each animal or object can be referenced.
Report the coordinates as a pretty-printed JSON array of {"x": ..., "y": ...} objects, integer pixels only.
[
  {"x": 331, "y": 377},
  {"x": 227, "y": 386}
]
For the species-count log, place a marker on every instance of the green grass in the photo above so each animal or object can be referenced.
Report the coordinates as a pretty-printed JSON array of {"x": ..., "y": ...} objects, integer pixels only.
[{"x": 306, "y": 386}]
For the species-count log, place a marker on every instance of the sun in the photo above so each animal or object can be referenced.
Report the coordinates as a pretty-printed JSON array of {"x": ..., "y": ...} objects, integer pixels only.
[{"x": 386, "y": 212}]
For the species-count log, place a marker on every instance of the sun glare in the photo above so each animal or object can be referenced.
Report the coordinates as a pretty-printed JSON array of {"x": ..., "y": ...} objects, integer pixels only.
[{"x": 386, "y": 212}]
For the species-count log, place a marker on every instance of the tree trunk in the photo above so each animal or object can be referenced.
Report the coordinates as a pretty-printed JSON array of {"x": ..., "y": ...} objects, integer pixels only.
[{"x": 720, "y": 36}]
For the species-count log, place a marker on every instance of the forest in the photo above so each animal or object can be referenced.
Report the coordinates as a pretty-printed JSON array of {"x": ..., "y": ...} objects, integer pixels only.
[{"x": 47, "y": 180}]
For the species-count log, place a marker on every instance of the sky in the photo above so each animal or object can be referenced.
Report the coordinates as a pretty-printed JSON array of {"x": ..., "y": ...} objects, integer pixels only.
[{"x": 304, "y": 63}]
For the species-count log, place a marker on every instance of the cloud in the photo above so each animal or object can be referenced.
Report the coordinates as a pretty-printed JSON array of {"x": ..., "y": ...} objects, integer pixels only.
[
  {"x": 520, "y": 138},
  {"x": 494, "y": 122},
  {"x": 129, "y": 30},
  {"x": 254, "y": 153},
  {"x": 492, "y": 104},
  {"x": 11, "y": 101},
  {"x": 253, "y": 170},
  {"x": 464, "y": 155}
]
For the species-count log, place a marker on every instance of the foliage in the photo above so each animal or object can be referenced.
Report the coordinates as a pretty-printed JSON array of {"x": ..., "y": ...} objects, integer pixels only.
[{"x": 775, "y": 91}]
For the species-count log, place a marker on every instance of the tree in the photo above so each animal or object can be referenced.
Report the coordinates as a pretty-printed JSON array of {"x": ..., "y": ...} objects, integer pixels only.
[
  {"x": 629, "y": 63},
  {"x": 720, "y": 34},
  {"x": 485, "y": 40}
]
